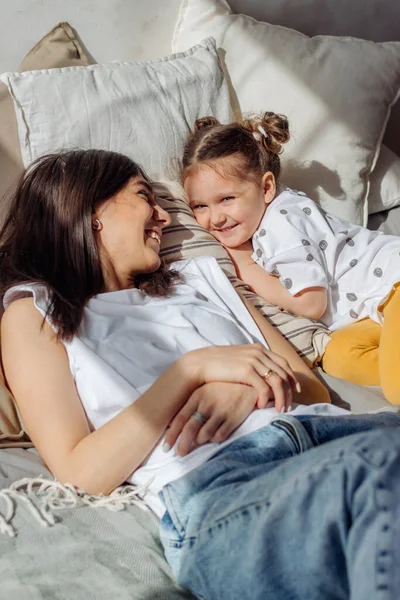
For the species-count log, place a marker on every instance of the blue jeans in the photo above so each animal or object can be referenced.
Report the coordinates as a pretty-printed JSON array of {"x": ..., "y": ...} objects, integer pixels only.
[{"x": 306, "y": 508}]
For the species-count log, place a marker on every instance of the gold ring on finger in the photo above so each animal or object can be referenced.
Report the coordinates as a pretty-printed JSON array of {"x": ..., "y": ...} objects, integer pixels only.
[{"x": 268, "y": 374}]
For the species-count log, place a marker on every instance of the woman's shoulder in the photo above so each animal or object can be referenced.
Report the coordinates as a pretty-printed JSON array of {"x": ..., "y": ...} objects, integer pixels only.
[
  {"x": 25, "y": 307},
  {"x": 19, "y": 307},
  {"x": 195, "y": 264},
  {"x": 36, "y": 292},
  {"x": 21, "y": 317},
  {"x": 204, "y": 274}
]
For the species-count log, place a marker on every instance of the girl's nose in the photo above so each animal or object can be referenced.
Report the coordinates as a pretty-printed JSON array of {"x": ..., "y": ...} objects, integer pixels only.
[{"x": 217, "y": 219}]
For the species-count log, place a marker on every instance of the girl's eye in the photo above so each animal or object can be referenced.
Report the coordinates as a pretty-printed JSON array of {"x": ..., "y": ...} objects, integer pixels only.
[
  {"x": 227, "y": 198},
  {"x": 198, "y": 206}
]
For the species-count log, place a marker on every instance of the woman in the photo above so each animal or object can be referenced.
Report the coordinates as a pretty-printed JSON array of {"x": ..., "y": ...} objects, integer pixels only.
[{"x": 104, "y": 348}]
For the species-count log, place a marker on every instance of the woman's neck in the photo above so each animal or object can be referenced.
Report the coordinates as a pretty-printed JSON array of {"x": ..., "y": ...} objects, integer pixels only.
[{"x": 115, "y": 281}]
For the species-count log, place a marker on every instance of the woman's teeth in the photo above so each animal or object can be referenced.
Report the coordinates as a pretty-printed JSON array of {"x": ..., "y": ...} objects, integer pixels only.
[{"x": 154, "y": 235}]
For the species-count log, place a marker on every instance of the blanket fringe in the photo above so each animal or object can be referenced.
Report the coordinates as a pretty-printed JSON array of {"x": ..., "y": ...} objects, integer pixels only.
[{"x": 42, "y": 496}]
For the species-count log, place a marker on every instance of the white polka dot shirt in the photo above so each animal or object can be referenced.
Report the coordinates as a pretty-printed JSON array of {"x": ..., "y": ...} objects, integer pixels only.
[{"x": 306, "y": 247}]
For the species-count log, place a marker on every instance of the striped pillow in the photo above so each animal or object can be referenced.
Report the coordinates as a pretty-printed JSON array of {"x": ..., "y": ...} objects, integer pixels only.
[{"x": 185, "y": 238}]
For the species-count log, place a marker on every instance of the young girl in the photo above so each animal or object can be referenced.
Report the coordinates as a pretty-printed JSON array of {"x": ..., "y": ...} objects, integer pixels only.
[{"x": 292, "y": 253}]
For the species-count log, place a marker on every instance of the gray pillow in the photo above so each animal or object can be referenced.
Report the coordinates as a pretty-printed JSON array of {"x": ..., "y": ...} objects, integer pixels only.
[{"x": 387, "y": 221}]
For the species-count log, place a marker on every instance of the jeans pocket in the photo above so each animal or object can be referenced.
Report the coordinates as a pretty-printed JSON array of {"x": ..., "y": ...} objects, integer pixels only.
[
  {"x": 290, "y": 432},
  {"x": 168, "y": 532},
  {"x": 171, "y": 524},
  {"x": 295, "y": 432}
]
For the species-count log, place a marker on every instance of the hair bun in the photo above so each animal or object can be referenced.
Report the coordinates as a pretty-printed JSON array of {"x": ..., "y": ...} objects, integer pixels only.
[
  {"x": 277, "y": 129},
  {"x": 205, "y": 122}
]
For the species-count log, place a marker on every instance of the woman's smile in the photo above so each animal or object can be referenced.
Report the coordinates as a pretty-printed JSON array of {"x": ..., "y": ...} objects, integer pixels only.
[{"x": 154, "y": 234}]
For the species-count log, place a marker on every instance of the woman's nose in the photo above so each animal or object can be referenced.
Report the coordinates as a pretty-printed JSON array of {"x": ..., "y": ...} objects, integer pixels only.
[{"x": 162, "y": 216}]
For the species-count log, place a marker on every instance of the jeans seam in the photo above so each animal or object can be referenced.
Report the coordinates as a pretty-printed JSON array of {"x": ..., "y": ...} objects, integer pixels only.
[{"x": 229, "y": 516}]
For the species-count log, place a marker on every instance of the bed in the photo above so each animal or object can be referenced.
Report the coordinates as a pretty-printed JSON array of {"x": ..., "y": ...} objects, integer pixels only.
[{"x": 61, "y": 546}]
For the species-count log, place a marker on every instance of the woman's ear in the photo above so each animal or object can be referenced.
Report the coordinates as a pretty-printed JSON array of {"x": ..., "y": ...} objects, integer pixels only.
[
  {"x": 269, "y": 186},
  {"x": 96, "y": 225}
]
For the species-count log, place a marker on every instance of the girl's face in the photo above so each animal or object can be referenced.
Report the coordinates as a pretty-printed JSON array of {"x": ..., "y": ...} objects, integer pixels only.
[
  {"x": 131, "y": 230},
  {"x": 229, "y": 208}
]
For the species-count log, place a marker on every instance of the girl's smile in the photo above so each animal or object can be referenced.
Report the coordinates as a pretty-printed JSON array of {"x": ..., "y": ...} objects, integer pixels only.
[{"x": 229, "y": 207}]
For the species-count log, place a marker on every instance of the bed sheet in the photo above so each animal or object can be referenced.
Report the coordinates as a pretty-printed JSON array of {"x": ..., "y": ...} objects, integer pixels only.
[{"x": 89, "y": 554}]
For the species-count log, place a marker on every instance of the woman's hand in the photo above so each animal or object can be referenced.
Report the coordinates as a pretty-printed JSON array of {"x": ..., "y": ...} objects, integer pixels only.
[
  {"x": 251, "y": 364},
  {"x": 224, "y": 407}
]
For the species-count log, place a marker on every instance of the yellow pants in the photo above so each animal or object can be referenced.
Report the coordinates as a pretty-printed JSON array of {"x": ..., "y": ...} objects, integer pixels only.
[{"x": 368, "y": 353}]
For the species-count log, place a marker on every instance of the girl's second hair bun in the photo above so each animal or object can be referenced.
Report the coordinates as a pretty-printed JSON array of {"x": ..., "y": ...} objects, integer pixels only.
[{"x": 205, "y": 122}]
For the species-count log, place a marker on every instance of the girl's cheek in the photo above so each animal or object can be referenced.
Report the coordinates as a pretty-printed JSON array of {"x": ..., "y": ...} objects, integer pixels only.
[
  {"x": 203, "y": 221},
  {"x": 238, "y": 214}
]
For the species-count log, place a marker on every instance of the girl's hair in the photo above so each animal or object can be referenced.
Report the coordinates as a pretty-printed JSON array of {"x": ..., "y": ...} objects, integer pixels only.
[
  {"x": 251, "y": 146},
  {"x": 48, "y": 236}
]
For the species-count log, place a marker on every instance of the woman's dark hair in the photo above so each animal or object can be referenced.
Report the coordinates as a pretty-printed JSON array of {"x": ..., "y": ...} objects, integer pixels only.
[
  {"x": 252, "y": 146},
  {"x": 48, "y": 236}
]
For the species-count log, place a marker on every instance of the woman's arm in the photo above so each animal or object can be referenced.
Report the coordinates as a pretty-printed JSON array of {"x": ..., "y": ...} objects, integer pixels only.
[
  {"x": 37, "y": 371},
  {"x": 312, "y": 390},
  {"x": 225, "y": 406}
]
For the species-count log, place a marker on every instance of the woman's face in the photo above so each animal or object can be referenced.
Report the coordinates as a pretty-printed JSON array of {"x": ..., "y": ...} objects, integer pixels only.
[{"x": 130, "y": 234}]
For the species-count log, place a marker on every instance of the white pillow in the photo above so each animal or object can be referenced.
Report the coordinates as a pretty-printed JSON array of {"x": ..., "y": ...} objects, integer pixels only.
[
  {"x": 144, "y": 110},
  {"x": 384, "y": 192},
  {"x": 336, "y": 92}
]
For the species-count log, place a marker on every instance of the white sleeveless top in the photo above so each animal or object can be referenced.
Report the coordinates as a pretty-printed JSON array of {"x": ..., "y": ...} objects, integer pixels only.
[{"x": 127, "y": 340}]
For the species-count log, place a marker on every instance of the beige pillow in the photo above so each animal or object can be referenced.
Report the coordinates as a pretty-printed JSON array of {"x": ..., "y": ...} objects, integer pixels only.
[
  {"x": 184, "y": 238},
  {"x": 336, "y": 92},
  {"x": 59, "y": 48}
]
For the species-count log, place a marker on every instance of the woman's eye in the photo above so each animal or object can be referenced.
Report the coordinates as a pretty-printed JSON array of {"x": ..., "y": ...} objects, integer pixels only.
[
  {"x": 198, "y": 206},
  {"x": 227, "y": 198},
  {"x": 148, "y": 195}
]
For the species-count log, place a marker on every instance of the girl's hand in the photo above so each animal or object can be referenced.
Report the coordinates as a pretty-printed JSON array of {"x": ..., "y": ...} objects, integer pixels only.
[
  {"x": 224, "y": 407},
  {"x": 250, "y": 364}
]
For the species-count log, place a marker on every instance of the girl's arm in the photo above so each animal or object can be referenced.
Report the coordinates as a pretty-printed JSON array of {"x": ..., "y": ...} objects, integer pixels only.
[
  {"x": 310, "y": 302},
  {"x": 312, "y": 390}
]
